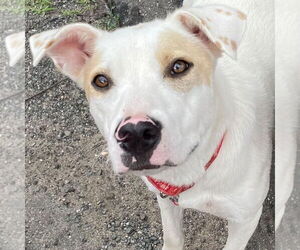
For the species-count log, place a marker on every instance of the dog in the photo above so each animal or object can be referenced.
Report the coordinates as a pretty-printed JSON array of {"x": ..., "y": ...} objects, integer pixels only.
[{"x": 185, "y": 103}]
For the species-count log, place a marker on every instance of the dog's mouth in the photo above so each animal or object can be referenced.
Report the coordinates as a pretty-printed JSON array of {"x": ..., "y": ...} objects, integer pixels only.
[
  {"x": 171, "y": 164},
  {"x": 135, "y": 164},
  {"x": 146, "y": 167}
]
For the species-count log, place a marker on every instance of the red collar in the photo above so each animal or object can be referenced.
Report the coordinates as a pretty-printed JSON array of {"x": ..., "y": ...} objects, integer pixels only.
[{"x": 170, "y": 190}]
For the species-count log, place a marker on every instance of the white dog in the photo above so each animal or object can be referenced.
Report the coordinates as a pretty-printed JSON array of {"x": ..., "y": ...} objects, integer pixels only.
[{"x": 177, "y": 109}]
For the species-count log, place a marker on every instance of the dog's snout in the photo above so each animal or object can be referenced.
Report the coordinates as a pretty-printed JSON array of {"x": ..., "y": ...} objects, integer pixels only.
[{"x": 138, "y": 136}]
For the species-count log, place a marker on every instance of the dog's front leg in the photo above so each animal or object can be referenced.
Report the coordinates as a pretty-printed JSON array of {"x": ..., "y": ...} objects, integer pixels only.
[
  {"x": 239, "y": 233},
  {"x": 171, "y": 216}
]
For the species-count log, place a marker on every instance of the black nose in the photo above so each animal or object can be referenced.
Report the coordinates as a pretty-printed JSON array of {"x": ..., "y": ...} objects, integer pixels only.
[{"x": 139, "y": 138}]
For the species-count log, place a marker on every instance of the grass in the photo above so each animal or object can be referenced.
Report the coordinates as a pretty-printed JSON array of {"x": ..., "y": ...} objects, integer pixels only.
[
  {"x": 84, "y": 2},
  {"x": 112, "y": 20},
  {"x": 86, "y": 5},
  {"x": 39, "y": 7},
  {"x": 20, "y": 6},
  {"x": 14, "y": 6},
  {"x": 71, "y": 12},
  {"x": 42, "y": 7},
  {"x": 78, "y": 11},
  {"x": 109, "y": 22}
]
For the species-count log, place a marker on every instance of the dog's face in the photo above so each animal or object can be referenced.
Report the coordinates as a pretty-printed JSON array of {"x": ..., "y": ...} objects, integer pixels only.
[
  {"x": 150, "y": 87},
  {"x": 147, "y": 109}
]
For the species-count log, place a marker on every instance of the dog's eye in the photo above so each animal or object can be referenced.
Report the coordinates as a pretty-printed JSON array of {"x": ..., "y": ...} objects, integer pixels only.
[
  {"x": 101, "y": 81},
  {"x": 179, "y": 67}
]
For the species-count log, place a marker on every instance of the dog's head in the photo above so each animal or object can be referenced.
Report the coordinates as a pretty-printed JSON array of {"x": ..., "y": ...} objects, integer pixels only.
[{"x": 150, "y": 86}]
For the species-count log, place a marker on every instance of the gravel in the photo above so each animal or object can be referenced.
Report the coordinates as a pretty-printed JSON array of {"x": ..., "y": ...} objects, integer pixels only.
[
  {"x": 73, "y": 200},
  {"x": 288, "y": 233}
]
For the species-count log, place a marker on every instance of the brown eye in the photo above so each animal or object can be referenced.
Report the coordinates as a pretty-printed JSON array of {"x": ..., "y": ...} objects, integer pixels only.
[
  {"x": 179, "y": 67},
  {"x": 101, "y": 81}
]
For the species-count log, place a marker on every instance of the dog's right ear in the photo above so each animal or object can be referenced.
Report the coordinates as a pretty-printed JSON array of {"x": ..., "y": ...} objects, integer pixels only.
[
  {"x": 15, "y": 46},
  {"x": 70, "y": 47},
  {"x": 220, "y": 27}
]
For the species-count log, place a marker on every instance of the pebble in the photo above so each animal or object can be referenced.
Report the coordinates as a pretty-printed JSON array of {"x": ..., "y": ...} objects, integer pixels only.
[
  {"x": 35, "y": 182},
  {"x": 67, "y": 133},
  {"x": 143, "y": 217},
  {"x": 104, "y": 153},
  {"x": 70, "y": 190},
  {"x": 57, "y": 166},
  {"x": 55, "y": 243}
]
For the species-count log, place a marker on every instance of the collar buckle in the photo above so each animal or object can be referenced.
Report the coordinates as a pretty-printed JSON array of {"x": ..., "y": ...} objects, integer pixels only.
[
  {"x": 172, "y": 192},
  {"x": 174, "y": 199}
]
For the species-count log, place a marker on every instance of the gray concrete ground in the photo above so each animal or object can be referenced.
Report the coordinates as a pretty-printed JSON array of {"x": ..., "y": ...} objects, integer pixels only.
[
  {"x": 12, "y": 140},
  {"x": 73, "y": 200}
]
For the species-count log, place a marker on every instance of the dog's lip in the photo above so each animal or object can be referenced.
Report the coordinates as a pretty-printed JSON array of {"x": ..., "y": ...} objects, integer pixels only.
[
  {"x": 171, "y": 164},
  {"x": 146, "y": 167},
  {"x": 168, "y": 163}
]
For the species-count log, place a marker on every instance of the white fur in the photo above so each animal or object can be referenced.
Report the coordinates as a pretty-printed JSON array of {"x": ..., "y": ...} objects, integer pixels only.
[
  {"x": 235, "y": 186},
  {"x": 15, "y": 46}
]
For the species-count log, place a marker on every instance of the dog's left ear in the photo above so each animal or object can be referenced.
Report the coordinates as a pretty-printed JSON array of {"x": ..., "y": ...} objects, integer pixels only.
[
  {"x": 70, "y": 47},
  {"x": 220, "y": 28}
]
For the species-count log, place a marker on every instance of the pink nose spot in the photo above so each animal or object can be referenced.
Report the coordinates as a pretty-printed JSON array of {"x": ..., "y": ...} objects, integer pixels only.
[
  {"x": 133, "y": 120},
  {"x": 159, "y": 156}
]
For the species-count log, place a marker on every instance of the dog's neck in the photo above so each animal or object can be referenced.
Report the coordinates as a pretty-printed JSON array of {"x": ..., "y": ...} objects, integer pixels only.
[{"x": 167, "y": 189}]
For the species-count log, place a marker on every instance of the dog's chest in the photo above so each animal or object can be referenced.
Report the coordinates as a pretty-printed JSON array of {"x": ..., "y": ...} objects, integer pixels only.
[{"x": 212, "y": 204}]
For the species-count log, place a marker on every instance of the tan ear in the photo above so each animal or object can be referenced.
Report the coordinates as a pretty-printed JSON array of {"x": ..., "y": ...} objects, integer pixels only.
[
  {"x": 70, "y": 47},
  {"x": 15, "y": 46},
  {"x": 38, "y": 44},
  {"x": 217, "y": 25}
]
